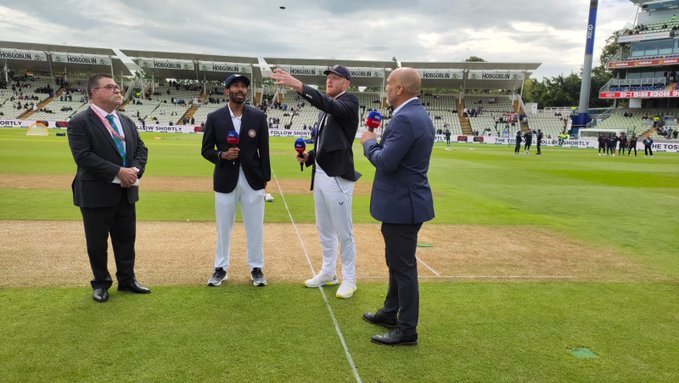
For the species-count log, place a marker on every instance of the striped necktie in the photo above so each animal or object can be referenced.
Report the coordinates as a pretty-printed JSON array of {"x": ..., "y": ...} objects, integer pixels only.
[{"x": 117, "y": 139}]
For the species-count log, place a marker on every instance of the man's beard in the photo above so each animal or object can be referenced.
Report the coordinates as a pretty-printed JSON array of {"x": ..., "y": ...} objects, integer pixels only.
[{"x": 237, "y": 98}]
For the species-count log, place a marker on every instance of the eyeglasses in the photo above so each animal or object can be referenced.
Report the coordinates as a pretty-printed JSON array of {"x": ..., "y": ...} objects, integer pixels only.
[{"x": 109, "y": 87}]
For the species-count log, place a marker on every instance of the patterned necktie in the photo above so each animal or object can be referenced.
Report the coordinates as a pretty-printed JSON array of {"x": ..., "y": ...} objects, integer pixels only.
[{"x": 117, "y": 139}]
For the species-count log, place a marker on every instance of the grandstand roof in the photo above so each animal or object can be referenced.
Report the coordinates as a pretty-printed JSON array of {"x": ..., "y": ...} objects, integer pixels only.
[
  {"x": 64, "y": 66},
  {"x": 377, "y": 65},
  {"x": 181, "y": 65},
  {"x": 655, "y": 4},
  {"x": 475, "y": 83},
  {"x": 182, "y": 73}
]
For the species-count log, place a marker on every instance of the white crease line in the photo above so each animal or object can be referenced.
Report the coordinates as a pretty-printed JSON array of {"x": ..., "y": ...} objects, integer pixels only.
[
  {"x": 488, "y": 277},
  {"x": 420, "y": 260},
  {"x": 325, "y": 298},
  {"x": 427, "y": 266}
]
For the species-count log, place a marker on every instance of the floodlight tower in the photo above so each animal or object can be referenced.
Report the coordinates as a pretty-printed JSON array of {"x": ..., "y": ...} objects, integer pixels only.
[{"x": 581, "y": 119}]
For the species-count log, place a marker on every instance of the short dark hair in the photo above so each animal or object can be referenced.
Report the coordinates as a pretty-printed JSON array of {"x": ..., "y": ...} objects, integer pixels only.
[{"x": 93, "y": 82}]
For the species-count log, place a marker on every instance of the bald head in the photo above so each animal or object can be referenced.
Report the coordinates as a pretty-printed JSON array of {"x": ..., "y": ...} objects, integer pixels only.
[
  {"x": 402, "y": 85},
  {"x": 410, "y": 80}
]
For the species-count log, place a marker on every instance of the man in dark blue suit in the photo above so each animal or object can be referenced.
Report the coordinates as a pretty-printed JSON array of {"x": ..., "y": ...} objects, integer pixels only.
[
  {"x": 242, "y": 170},
  {"x": 111, "y": 158},
  {"x": 402, "y": 200}
]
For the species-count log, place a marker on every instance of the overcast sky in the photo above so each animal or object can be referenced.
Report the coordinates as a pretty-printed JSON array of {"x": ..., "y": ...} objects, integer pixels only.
[{"x": 551, "y": 32}]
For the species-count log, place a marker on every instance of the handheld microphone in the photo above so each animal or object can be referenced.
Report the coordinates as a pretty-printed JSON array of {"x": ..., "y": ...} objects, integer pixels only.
[
  {"x": 374, "y": 120},
  {"x": 300, "y": 147},
  {"x": 232, "y": 138}
]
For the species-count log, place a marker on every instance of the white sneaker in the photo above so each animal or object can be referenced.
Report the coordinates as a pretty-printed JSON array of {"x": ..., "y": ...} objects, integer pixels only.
[
  {"x": 346, "y": 290},
  {"x": 217, "y": 277},
  {"x": 268, "y": 197},
  {"x": 321, "y": 280}
]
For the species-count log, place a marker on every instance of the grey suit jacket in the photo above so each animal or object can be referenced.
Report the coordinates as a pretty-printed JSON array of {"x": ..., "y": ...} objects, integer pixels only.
[
  {"x": 98, "y": 160},
  {"x": 401, "y": 193}
]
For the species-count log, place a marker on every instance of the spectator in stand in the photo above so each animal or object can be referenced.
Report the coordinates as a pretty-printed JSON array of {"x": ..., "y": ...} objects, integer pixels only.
[{"x": 648, "y": 146}]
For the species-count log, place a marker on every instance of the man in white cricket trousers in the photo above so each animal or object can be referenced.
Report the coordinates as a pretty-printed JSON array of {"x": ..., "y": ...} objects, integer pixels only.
[
  {"x": 333, "y": 173},
  {"x": 236, "y": 140}
]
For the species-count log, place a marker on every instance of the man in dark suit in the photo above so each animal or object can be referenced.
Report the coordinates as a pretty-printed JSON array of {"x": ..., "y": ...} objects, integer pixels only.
[
  {"x": 111, "y": 158},
  {"x": 632, "y": 144},
  {"x": 648, "y": 146},
  {"x": 333, "y": 173},
  {"x": 402, "y": 200},
  {"x": 528, "y": 139},
  {"x": 517, "y": 147},
  {"x": 242, "y": 169}
]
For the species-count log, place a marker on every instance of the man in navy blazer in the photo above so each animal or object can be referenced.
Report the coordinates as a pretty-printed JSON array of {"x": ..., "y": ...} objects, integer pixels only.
[
  {"x": 402, "y": 200},
  {"x": 236, "y": 141},
  {"x": 111, "y": 158}
]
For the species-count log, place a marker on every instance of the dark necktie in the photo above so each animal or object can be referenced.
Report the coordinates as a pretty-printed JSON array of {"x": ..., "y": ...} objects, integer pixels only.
[
  {"x": 321, "y": 126},
  {"x": 117, "y": 139}
]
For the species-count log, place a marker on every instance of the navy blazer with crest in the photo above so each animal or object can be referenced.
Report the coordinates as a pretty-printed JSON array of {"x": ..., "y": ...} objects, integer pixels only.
[
  {"x": 98, "y": 160},
  {"x": 253, "y": 144}
]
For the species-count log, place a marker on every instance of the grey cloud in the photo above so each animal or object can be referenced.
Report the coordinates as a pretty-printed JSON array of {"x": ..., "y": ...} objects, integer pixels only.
[{"x": 369, "y": 29}]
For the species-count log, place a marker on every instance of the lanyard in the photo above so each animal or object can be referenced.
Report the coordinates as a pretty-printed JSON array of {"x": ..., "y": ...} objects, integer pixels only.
[{"x": 108, "y": 126}]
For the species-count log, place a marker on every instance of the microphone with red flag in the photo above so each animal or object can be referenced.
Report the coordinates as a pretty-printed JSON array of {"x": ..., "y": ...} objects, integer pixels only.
[
  {"x": 232, "y": 138},
  {"x": 300, "y": 147},
  {"x": 374, "y": 120}
]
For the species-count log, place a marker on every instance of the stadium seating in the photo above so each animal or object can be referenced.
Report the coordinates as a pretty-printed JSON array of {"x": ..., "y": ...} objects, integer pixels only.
[
  {"x": 170, "y": 104},
  {"x": 27, "y": 95},
  {"x": 635, "y": 120},
  {"x": 7, "y": 107},
  {"x": 496, "y": 103},
  {"x": 443, "y": 113},
  {"x": 552, "y": 123},
  {"x": 202, "y": 112}
]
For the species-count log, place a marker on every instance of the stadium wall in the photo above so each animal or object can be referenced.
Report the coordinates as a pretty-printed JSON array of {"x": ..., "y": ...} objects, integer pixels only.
[{"x": 669, "y": 147}]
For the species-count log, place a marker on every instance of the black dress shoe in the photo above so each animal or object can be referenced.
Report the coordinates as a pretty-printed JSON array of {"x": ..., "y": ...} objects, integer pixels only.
[
  {"x": 395, "y": 338},
  {"x": 381, "y": 319},
  {"x": 100, "y": 295},
  {"x": 134, "y": 287}
]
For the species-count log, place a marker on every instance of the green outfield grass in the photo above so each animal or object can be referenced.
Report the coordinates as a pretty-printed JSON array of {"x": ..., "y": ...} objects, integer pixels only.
[{"x": 470, "y": 330}]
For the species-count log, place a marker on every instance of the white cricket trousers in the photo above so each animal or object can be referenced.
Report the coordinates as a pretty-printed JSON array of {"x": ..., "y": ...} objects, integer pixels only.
[
  {"x": 252, "y": 209},
  {"x": 332, "y": 199}
]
